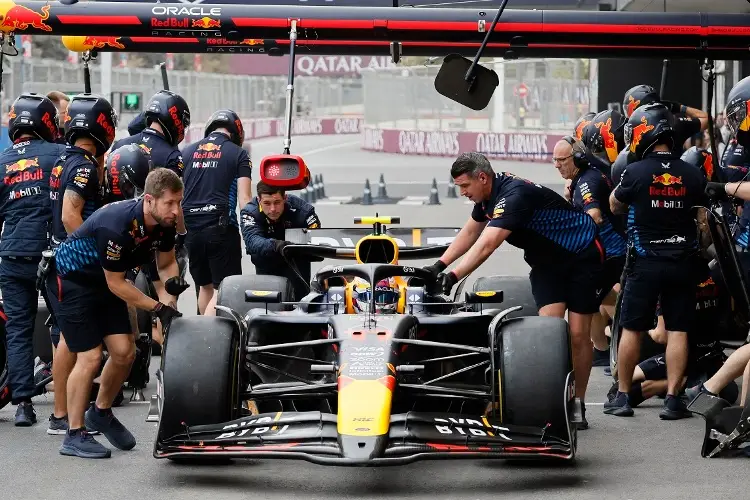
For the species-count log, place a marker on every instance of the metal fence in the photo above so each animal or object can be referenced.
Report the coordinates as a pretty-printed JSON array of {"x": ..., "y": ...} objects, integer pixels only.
[
  {"x": 533, "y": 95},
  {"x": 250, "y": 96}
]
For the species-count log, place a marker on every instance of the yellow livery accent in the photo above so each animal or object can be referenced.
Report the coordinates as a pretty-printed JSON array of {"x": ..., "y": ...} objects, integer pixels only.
[
  {"x": 260, "y": 293},
  {"x": 364, "y": 408},
  {"x": 377, "y": 220},
  {"x": 486, "y": 294},
  {"x": 368, "y": 242}
]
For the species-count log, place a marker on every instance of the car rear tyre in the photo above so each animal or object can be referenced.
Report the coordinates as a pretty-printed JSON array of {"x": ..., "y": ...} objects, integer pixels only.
[
  {"x": 535, "y": 360},
  {"x": 516, "y": 292},
  {"x": 199, "y": 374},
  {"x": 232, "y": 292}
]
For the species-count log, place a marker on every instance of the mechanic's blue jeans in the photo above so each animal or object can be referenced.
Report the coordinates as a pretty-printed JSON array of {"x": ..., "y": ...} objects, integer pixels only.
[{"x": 18, "y": 286}]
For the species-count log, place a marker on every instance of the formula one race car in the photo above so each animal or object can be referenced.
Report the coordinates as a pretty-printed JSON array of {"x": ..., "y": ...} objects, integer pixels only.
[{"x": 370, "y": 368}]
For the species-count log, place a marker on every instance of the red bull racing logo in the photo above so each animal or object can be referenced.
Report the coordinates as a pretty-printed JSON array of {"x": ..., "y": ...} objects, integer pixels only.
[
  {"x": 23, "y": 172},
  {"x": 19, "y": 18},
  {"x": 22, "y": 165},
  {"x": 210, "y": 151},
  {"x": 608, "y": 139},
  {"x": 97, "y": 42},
  {"x": 579, "y": 129},
  {"x": 178, "y": 123},
  {"x": 668, "y": 186},
  {"x": 638, "y": 132},
  {"x": 107, "y": 125},
  {"x": 206, "y": 23}
]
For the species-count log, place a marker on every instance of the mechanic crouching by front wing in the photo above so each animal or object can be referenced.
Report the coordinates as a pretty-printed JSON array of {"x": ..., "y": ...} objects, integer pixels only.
[
  {"x": 95, "y": 294},
  {"x": 264, "y": 222},
  {"x": 25, "y": 214},
  {"x": 560, "y": 245},
  {"x": 217, "y": 175},
  {"x": 658, "y": 192}
]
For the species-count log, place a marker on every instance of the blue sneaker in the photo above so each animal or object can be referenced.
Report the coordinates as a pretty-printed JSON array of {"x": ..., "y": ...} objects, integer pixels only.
[
  {"x": 57, "y": 426},
  {"x": 105, "y": 422},
  {"x": 79, "y": 443},
  {"x": 674, "y": 409},
  {"x": 25, "y": 414},
  {"x": 619, "y": 406}
]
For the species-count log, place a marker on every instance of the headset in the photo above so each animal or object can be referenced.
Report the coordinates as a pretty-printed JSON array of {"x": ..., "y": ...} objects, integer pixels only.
[{"x": 580, "y": 152}]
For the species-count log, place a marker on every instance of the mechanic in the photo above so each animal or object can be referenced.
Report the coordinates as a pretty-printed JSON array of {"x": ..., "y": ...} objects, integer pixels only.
[
  {"x": 560, "y": 244},
  {"x": 217, "y": 175},
  {"x": 603, "y": 137},
  {"x": 25, "y": 216},
  {"x": 658, "y": 192},
  {"x": 125, "y": 173},
  {"x": 74, "y": 193},
  {"x": 590, "y": 192},
  {"x": 92, "y": 264},
  {"x": 61, "y": 102},
  {"x": 137, "y": 124},
  {"x": 167, "y": 118},
  {"x": 264, "y": 221}
]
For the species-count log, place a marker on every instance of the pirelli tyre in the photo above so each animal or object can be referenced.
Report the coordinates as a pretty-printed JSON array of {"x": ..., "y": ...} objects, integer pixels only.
[
  {"x": 516, "y": 292},
  {"x": 534, "y": 363},
  {"x": 232, "y": 292},
  {"x": 199, "y": 374}
]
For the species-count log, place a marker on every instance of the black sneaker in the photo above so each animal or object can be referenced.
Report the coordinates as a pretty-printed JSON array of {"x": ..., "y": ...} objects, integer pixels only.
[
  {"x": 25, "y": 414},
  {"x": 601, "y": 358},
  {"x": 619, "y": 406},
  {"x": 674, "y": 409},
  {"x": 105, "y": 422},
  {"x": 79, "y": 443},
  {"x": 612, "y": 393},
  {"x": 57, "y": 426}
]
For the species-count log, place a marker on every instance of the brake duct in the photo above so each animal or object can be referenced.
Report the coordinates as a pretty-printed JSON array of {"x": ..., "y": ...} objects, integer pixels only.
[{"x": 367, "y": 30}]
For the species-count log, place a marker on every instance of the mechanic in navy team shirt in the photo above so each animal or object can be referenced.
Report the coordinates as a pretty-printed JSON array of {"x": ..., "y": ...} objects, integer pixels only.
[
  {"x": 217, "y": 176},
  {"x": 25, "y": 216},
  {"x": 589, "y": 192},
  {"x": 658, "y": 192},
  {"x": 264, "y": 223},
  {"x": 167, "y": 118},
  {"x": 75, "y": 195},
  {"x": 92, "y": 264},
  {"x": 559, "y": 242}
]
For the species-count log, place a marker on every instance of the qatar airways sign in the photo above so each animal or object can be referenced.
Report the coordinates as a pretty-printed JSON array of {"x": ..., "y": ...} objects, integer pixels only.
[{"x": 262, "y": 65}]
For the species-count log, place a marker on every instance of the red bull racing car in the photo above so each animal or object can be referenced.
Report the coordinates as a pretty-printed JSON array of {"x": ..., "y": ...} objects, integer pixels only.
[{"x": 370, "y": 368}]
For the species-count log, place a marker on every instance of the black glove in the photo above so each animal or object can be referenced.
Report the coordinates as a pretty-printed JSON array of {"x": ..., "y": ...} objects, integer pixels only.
[
  {"x": 447, "y": 281},
  {"x": 165, "y": 313},
  {"x": 716, "y": 191},
  {"x": 436, "y": 268},
  {"x": 175, "y": 286},
  {"x": 278, "y": 245},
  {"x": 674, "y": 107}
]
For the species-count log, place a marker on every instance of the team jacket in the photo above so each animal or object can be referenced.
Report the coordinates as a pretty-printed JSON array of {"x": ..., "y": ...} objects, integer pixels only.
[
  {"x": 75, "y": 171},
  {"x": 115, "y": 239},
  {"x": 161, "y": 152},
  {"x": 661, "y": 191},
  {"x": 591, "y": 189},
  {"x": 212, "y": 168},
  {"x": 25, "y": 208},
  {"x": 258, "y": 231},
  {"x": 541, "y": 222}
]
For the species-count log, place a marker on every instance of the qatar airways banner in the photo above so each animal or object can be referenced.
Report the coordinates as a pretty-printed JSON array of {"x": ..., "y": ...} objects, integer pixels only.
[
  {"x": 520, "y": 146},
  {"x": 260, "y": 128}
]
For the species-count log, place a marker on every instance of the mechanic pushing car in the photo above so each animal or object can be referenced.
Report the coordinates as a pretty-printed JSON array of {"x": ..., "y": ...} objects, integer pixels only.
[
  {"x": 125, "y": 173},
  {"x": 217, "y": 175},
  {"x": 560, "y": 243},
  {"x": 94, "y": 293},
  {"x": 25, "y": 211},
  {"x": 167, "y": 118},
  {"x": 264, "y": 222},
  {"x": 61, "y": 102},
  {"x": 658, "y": 192},
  {"x": 75, "y": 195},
  {"x": 589, "y": 193}
]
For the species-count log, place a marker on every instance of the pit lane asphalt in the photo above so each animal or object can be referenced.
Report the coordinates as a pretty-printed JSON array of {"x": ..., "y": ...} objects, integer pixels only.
[{"x": 618, "y": 458}]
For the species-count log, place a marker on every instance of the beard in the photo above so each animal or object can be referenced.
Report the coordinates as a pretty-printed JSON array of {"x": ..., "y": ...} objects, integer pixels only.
[{"x": 162, "y": 221}]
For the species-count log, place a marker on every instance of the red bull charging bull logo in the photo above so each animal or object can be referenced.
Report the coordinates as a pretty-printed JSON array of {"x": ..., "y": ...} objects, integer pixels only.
[
  {"x": 668, "y": 186},
  {"x": 22, "y": 165},
  {"x": 579, "y": 129},
  {"x": 97, "y": 42},
  {"x": 632, "y": 105},
  {"x": 608, "y": 139},
  {"x": 19, "y": 18},
  {"x": 206, "y": 23}
]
